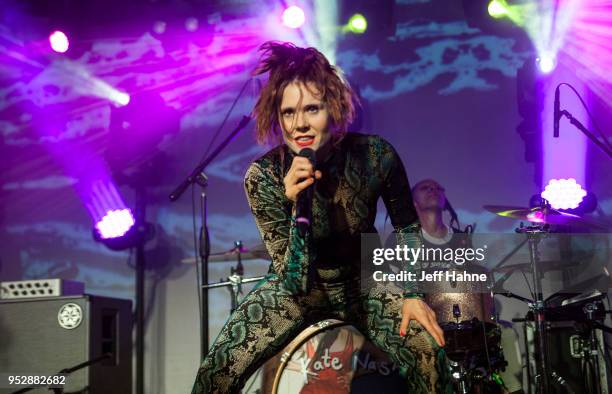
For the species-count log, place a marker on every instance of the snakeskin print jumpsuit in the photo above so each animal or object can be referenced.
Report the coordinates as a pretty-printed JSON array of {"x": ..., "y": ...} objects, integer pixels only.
[{"x": 318, "y": 276}]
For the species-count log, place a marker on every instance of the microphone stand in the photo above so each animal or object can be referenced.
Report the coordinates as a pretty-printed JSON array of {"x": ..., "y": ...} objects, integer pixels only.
[
  {"x": 198, "y": 176},
  {"x": 586, "y": 132}
]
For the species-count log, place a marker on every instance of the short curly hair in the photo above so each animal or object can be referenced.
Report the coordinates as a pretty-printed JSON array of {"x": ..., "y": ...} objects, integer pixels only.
[{"x": 287, "y": 63}]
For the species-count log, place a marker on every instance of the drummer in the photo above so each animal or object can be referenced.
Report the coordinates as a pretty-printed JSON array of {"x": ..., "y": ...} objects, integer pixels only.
[{"x": 430, "y": 201}]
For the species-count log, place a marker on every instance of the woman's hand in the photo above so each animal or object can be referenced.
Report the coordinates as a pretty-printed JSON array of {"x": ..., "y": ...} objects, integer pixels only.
[
  {"x": 416, "y": 309},
  {"x": 299, "y": 177}
]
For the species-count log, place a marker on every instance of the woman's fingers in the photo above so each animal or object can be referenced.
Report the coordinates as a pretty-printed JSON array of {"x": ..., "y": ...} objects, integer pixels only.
[
  {"x": 436, "y": 326},
  {"x": 300, "y": 176},
  {"x": 404, "y": 323},
  {"x": 421, "y": 312},
  {"x": 440, "y": 333},
  {"x": 304, "y": 184}
]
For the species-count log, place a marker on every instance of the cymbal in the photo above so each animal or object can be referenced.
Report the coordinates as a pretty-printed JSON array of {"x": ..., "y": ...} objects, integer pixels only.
[
  {"x": 545, "y": 265},
  {"x": 258, "y": 252},
  {"x": 544, "y": 215}
]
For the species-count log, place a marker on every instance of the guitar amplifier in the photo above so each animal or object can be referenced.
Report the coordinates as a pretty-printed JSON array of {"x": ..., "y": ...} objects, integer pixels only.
[
  {"x": 46, "y": 335},
  {"x": 40, "y": 288}
]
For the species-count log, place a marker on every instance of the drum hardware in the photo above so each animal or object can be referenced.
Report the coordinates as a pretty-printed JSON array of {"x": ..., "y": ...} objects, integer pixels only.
[
  {"x": 258, "y": 252},
  {"x": 544, "y": 215},
  {"x": 235, "y": 280},
  {"x": 534, "y": 234},
  {"x": 590, "y": 347},
  {"x": 473, "y": 367},
  {"x": 473, "y": 339},
  {"x": 540, "y": 217},
  {"x": 459, "y": 377},
  {"x": 584, "y": 344},
  {"x": 588, "y": 296},
  {"x": 545, "y": 265},
  {"x": 456, "y": 312}
]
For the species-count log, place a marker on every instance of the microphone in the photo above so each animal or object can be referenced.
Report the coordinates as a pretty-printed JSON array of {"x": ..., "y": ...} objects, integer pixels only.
[
  {"x": 303, "y": 209},
  {"x": 557, "y": 114}
]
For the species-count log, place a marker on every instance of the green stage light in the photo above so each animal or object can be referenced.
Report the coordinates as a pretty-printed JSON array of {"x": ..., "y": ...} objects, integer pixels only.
[
  {"x": 497, "y": 9},
  {"x": 357, "y": 24}
]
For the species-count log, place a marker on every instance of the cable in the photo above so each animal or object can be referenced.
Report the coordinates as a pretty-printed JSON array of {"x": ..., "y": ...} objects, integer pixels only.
[
  {"x": 484, "y": 335},
  {"x": 197, "y": 259},
  {"x": 601, "y": 134},
  {"x": 531, "y": 292},
  {"x": 227, "y": 115}
]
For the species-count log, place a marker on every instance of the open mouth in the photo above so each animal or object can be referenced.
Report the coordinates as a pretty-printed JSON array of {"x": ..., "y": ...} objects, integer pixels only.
[{"x": 304, "y": 140}]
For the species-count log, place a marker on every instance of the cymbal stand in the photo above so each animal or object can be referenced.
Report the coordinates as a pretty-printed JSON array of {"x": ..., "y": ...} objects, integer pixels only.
[
  {"x": 459, "y": 377},
  {"x": 544, "y": 374},
  {"x": 235, "y": 280},
  {"x": 236, "y": 277},
  {"x": 534, "y": 234},
  {"x": 591, "y": 352}
]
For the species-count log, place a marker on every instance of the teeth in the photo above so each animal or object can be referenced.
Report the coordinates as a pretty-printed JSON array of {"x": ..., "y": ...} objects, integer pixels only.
[{"x": 304, "y": 138}]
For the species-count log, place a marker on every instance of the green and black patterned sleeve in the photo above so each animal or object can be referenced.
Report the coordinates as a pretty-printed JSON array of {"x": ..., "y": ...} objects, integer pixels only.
[
  {"x": 291, "y": 254},
  {"x": 397, "y": 197}
]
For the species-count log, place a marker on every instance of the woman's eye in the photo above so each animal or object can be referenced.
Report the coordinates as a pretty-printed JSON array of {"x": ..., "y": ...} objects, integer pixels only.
[
  {"x": 288, "y": 114},
  {"x": 312, "y": 109}
]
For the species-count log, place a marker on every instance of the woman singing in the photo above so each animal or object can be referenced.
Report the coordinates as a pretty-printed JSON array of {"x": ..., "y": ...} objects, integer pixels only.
[{"x": 307, "y": 104}]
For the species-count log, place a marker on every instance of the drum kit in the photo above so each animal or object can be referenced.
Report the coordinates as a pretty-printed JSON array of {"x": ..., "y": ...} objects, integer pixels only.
[
  {"x": 582, "y": 307},
  {"x": 473, "y": 335}
]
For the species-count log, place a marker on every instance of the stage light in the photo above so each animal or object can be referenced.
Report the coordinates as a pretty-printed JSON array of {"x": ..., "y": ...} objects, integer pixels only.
[
  {"x": 115, "y": 223},
  {"x": 357, "y": 24},
  {"x": 59, "y": 41},
  {"x": 191, "y": 24},
  {"x": 159, "y": 27},
  {"x": 121, "y": 98},
  {"x": 497, "y": 9},
  {"x": 546, "y": 62},
  {"x": 564, "y": 193},
  {"x": 294, "y": 17}
]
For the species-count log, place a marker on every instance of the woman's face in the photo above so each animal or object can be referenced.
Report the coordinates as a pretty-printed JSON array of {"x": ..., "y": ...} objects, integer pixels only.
[{"x": 303, "y": 117}]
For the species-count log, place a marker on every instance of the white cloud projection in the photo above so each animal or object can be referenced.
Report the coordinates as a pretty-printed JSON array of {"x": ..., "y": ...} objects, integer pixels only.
[{"x": 456, "y": 50}]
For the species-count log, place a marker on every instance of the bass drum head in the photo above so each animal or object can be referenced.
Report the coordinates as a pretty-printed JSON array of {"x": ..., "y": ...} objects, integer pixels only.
[
  {"x": 468, "y": 299},
  {"x": 331, "y": 357}
]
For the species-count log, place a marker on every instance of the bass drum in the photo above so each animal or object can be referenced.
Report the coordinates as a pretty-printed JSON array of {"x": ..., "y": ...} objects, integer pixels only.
[
  {"x": 461, "y": 300},
  {"x": 466, "y": 314},
  {"x": 331, "y": 357}
]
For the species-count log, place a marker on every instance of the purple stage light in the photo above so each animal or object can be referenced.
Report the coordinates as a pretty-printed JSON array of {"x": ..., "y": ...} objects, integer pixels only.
[
  {"x": 192, "y": 24},
  {"x": 536, "y": 217},
  {"x": 294, "y": 17},
  {"x": 122, "y": 99},
  {"x": 115, "y": 223},
  {"x": 564, "y": 193},
  {"x": 59, "y": 41}
]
